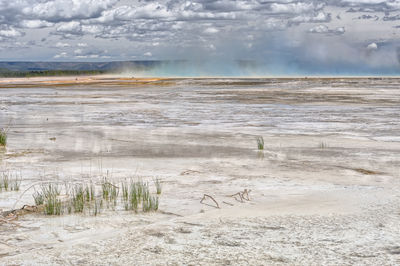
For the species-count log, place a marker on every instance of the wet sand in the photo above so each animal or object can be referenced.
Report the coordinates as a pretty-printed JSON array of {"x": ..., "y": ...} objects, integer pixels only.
[{"x": 325, "y": 190}]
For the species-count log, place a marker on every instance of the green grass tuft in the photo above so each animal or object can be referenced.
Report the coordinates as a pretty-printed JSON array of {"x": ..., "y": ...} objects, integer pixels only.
[
  {"x": 81, "y": 198},
  {"x": 52, "y": 204},
  {"x": 138, "y": 193},
  {"x": 39, "y": 198},
  {"x": 78, "y": 198},
  {"x": 158, "y": 184},
  {"x": 3, "y": 137},
  {"x": 260, "y": 143},
  {"x": 9, "y": 182},
  {"x": 322, "y": 145}
]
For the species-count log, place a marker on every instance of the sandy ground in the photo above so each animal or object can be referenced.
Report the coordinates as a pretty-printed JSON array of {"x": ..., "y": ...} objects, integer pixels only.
[{"x": 325, "y": 191}]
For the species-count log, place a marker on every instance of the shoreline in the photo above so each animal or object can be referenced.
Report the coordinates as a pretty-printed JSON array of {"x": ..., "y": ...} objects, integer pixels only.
[{"x": 121, "y": 80}]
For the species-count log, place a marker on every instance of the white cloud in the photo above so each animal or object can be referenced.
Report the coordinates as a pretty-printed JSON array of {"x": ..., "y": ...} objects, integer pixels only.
[
  {"x": 148, "y": 54},
  {"x": 319, "y": 29},
  {"x": 62, "y": 45},
  {"x": 372, "y": 47},
  {"x": 311, "y": 18},
  {"x": 61, "y": 55},
  {"x": 10, "y": 32},
  {"x": 35, "y": 24},
  {"x": 294, "y": 8},
  {"x": 72, "y": 27},
  {"x": 325, "y": 29},
  {"x": 211, "y": 30},
  {"x": 65, "y": 10}
]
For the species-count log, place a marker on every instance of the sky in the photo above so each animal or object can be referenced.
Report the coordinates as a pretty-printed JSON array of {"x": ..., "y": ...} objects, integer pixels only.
[{"x": 275, "y": 36}]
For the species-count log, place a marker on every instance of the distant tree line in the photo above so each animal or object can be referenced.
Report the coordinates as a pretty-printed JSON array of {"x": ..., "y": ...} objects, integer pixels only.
[{"x": 5, "y": 73}]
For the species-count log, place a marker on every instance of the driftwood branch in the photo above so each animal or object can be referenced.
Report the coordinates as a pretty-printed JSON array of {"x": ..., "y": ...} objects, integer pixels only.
[
  {"x": 188, "y": 172},
  {"x": 208, "y": 196},
  {"x": 241, "y": 195},
  {"x": 228, "y": 203},
  {"x": 7, "y": 221}
]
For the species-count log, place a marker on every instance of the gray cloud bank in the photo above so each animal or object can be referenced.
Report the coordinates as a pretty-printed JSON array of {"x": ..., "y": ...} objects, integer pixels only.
[{"x": 281, "y": 36}]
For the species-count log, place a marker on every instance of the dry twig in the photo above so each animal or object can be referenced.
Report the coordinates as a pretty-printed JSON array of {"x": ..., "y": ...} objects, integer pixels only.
[
  {"x": 188, "y": 172},
  {"x": 208, "y": 196},
  {"x": 242, "y": 195},
  {"x": 227, "y": 203}
]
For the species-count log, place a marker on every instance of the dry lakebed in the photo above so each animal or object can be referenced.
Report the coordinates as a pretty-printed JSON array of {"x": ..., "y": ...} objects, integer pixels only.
[{"x": 323, "y": 188}]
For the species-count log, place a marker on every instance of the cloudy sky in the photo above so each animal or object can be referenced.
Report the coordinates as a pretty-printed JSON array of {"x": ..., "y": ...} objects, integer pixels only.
[{"x": 349, "y": 36}]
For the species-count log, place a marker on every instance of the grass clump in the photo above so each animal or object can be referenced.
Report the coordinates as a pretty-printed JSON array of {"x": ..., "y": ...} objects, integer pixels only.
[
  {"x": 81, "y": 198},
  {"x": 323, "y": 145},
  {"x": 158, "y": 184},
  {"x": 52, "y": 204},
  {"x": 90, "y": 192},
  {"x": 4, "y": 182},
  {"x": 260, "y": 143},
  {"x": 3, "y": 137},
  {"x": 137, "y": 193},
  {"x": 150, "y": 203},
  {"x": 9, "y": 182},
  {"x": 39, "y": 198},
  {"x": 78, "y": 198},
  {"x": 109, "y": 191},
  {"x": 98, "y": 204}
]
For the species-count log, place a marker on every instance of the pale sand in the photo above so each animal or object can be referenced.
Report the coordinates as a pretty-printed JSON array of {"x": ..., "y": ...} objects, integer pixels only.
[{"x": 338, "y": 205}]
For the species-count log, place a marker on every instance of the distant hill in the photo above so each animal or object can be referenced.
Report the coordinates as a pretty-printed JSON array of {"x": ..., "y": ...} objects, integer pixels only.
[
  {"x": 149, "y": 68},
  {"x": 79, "y": 66}
]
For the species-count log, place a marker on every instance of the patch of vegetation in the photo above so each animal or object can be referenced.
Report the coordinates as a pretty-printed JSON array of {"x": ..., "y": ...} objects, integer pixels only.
[
  {"x": 150, "y": 203},
  {"x": 138, "y": 193},
  {"x": 52, "y": 203},
  {"x": 9, "y": 182},
  {"x": 110, "y": 191},
  {"x": 158, "y": 184},
  {"x": 3, "y": 137},
  {"x": 260, "y": 143},
  {"x": 323, "y": 145},
  {"x": 82, "y": 198},
  {"x": 78, "y": 198},
  {"x": 39, "y": 198}
]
